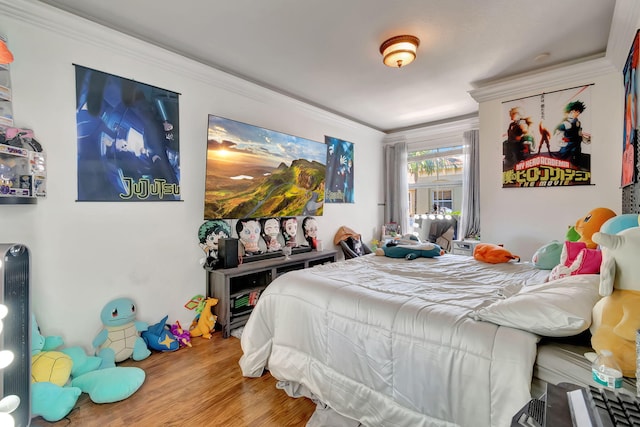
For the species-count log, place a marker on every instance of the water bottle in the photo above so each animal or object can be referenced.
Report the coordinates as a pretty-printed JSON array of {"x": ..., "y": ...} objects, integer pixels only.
[{"x": 606, "y": 371}]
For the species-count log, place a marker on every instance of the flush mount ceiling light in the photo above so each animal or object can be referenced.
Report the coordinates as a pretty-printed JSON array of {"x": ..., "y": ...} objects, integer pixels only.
[{"x": 399, "y": 51}]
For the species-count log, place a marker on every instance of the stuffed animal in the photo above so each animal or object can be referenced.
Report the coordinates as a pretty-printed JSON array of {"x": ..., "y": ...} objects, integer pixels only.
[
  {"x": 53, "y": 399},
  {"x": 616, "y": 317},
  {"x": 120, "y": 339},
  {"x": 206, "y": 321},
  {"x": 576, "y": 258},
  {"x": 548, "y": 256},
  {"x": 159, "y": 338},
  {"x": 493, "y": 254},
  {"x": 425, "y": 250},
  {"x": 183, "y": 336},
  {"x": 591, "y": 224}
]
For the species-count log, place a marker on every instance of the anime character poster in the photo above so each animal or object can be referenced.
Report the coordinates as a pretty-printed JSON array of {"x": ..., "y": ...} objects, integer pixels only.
[
  {"x": 128, "y": 139},
  {"x": 547, "y": 139},
  {"x": 630, "y": 131},
  {"x": 339, "y": 171},
  {"x": 253, "y": 172}
]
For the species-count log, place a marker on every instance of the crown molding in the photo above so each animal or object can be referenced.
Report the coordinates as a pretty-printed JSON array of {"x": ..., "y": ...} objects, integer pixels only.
[
  {"x": 626, "y": 18},
  {"x": 562, "y": 75},
  {"x": 435, "y": 134},
  {"x": 104, "y": 39}
]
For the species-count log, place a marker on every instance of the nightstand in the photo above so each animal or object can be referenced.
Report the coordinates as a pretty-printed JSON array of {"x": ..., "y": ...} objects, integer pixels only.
[{"x": 464, "y": 247}]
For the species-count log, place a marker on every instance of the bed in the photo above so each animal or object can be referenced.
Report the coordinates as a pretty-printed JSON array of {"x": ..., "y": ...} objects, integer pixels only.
[{"x": 445, "y": 341}]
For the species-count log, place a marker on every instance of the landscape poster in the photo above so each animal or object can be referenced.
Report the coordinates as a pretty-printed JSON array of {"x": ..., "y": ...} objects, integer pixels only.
[
  {"x": 253, "y": 172},
  {"x": 339, "y": 171},
  {"x": 128, "y": 139},
  {"x": 547, "y": 139}
]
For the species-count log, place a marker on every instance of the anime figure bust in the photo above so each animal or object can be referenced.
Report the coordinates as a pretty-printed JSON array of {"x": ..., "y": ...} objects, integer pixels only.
[
  {"x": 289, "y": 226},
  {"x": 270, "y": 231},
  {"x": 249, "y": 232},
  {"x": 209, "y": 234},
  {"x": 310, "y": 231}
]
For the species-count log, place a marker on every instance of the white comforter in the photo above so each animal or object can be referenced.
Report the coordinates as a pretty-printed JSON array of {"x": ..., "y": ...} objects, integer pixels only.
[{"x": 389, "y": 342}]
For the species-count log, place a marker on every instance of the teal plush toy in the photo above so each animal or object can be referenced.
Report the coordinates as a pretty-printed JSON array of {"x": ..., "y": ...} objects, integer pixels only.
[
  {"x": 120, "y": 339},
  {"x": 548, "y": 256},
  {"x": 425, "y": 250},
  {"x": 52, "y": 397}
]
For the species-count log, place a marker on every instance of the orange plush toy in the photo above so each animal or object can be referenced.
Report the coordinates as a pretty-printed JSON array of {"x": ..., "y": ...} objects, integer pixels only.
[
  {"x": 591, "y": 224},
  {"x": 493, "y": 254}
]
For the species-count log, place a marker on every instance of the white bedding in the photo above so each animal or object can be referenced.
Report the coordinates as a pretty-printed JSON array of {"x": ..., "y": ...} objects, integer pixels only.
[{"x": 390, "y": 342}]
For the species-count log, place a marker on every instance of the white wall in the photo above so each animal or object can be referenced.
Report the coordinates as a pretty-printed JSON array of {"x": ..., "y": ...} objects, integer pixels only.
[
  {"x": 84, "y": 254},
  {"x": 524, "y": 219}
]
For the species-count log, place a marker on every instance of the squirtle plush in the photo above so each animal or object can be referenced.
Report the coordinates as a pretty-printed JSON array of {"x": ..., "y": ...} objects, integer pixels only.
[
  {"x": 493, "y": 254},
  {"x": 616, "y": 317},
  {"x": 425, "y": 250},
  {"x": 120, "y": 338}
]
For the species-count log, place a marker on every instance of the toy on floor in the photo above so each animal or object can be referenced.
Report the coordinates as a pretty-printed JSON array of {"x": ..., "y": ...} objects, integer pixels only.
[
  {"x": 493, "y": 254},
  {"x": 120, "y": 339},
  {"x": 53, "y": 397},
  {"x": 183, "y": 336},
  {"x": 204, "y": 324},
  {"x": 425, "y": 250},
  {"x": 158, "y": 337},
  {"x": 616, "y": 317}
]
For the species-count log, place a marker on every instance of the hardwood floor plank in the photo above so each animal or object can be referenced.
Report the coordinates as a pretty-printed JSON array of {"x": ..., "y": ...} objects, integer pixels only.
[{"x": 198, "y": 386}]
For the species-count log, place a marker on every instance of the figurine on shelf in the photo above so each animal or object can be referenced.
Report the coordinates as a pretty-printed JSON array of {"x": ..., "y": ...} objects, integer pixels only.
[
  {"x": 310, "y": 231},
  {"x": 270, "y": 232},
  {"x": 249, "y": 232},
  {"x": 209, "y": 234},
  {"x": 289, "y": 226}
]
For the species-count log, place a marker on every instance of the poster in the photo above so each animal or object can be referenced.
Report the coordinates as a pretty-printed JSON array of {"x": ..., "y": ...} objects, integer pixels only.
[
  {"x": 128, "y": 139},
  {"x": 339, "y": 171},
  {"x": 254, "y": 172},
  {"x": 547, "y": 139},
  {"x": 630, "y": 130}
]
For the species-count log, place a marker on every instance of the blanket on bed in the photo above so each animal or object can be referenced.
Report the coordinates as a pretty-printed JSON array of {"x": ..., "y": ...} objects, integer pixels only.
[{"x": 390, "y": 342}]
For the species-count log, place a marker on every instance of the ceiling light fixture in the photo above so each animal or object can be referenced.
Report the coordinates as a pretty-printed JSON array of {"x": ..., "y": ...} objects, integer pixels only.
[{"x": 399, "y": 51}]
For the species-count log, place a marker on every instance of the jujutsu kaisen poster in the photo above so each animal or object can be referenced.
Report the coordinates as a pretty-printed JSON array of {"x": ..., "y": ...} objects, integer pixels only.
[
  {"x": 128, "y": 139},
  {"x": 339, "y": 171},
  {"x": 547, "y": 139}
]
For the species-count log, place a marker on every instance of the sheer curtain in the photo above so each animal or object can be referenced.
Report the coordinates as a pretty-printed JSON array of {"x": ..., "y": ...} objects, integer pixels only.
[
  {"x": 396, "y": 195},
  {"x": 470, "y": 218}
]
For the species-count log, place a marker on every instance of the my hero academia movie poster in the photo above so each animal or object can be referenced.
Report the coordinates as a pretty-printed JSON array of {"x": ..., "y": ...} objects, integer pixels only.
[
  {"x": 547, "y": 139},
  {"x": 339, "y": 171},
  {"x": 128, "y": 139},
  {"x": 630, "y": 130}
]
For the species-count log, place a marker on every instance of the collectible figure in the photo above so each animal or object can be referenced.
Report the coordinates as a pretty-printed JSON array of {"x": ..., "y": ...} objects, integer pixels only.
[
  {"x": 310, "y": 231},
  {"x": 209, "y": 234},
  {"x": 270, "y": 231},
  {"x": 289, "y": 226},
  {"x": 249, "y": 233}
]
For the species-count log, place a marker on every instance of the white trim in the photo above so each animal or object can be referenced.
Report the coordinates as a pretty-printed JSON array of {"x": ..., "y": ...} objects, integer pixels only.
[{"x": 442, "y": 134}]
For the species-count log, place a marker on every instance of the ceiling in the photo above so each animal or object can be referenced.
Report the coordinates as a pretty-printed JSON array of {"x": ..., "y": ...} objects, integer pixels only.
[{"x": 326, "y": 53}]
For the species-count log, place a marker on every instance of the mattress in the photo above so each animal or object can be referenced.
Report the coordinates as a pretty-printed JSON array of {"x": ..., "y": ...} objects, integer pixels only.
[{"x": 391, "y": 342}]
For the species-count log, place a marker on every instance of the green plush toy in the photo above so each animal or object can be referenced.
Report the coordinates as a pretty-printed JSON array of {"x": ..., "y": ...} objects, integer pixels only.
[
  {"x": 52, "y": 397},
  {"x": 425, "y": 250}
]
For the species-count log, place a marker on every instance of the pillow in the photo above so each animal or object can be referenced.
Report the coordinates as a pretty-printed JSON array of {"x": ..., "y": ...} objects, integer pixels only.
[{"x": 559, "y": 308}]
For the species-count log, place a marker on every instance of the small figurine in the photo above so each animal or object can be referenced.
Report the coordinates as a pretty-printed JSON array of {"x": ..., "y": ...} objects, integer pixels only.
[
  {"x": 310, "y": 231},
  {"x": 249, "y": 233},
  {"x": 270, "y": 232},
  {"x": 289, "y": 226}
]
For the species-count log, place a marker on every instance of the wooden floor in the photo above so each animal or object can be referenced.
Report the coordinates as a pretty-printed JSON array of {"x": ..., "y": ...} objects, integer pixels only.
[{"x": 198, "y": 386}]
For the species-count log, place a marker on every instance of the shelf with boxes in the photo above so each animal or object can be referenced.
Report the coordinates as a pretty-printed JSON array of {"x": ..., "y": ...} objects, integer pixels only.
[
  {"x": 239, "y": 288},
  {"x": 22, "y": 175}
]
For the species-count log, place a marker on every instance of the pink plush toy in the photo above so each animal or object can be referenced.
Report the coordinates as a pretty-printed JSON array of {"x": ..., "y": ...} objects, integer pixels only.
[{"x": 577, "y": 258}]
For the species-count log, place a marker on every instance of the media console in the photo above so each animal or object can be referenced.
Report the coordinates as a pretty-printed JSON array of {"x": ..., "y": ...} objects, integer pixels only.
[{"x": 238, "y": 289}]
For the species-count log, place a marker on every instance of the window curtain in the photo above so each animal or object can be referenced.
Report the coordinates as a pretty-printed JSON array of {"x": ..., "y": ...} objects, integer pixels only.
[
  {"x": 396, "y": 189},
  {"x": 470, "y": 215}
]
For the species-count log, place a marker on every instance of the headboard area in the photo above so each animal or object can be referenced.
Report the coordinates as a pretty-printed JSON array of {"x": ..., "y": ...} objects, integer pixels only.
[{"x": 631, "y": 198}]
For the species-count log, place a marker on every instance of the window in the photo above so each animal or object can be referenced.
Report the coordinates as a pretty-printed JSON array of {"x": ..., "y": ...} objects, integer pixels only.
[{"x": 435, "y": 180}]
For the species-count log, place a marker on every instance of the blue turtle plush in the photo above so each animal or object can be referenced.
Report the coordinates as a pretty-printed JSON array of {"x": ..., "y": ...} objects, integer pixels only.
[{"x": 120, "y": 339}]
